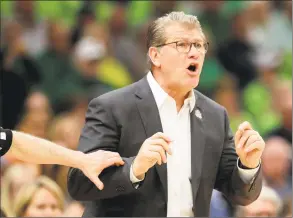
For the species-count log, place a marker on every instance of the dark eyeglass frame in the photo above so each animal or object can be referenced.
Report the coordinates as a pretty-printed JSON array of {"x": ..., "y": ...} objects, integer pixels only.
[{"x": 206, "y": 45}]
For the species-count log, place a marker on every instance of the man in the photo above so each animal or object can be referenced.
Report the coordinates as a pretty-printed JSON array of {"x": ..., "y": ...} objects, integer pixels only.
[
  {"x": 197, "y": 143},
  {"x": 40, "y": 151}
]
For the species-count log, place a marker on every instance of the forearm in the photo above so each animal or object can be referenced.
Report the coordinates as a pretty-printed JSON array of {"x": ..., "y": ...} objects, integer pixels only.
[
  {"x": 40, "y": 151},
  {"x": 116, "y": 180}
]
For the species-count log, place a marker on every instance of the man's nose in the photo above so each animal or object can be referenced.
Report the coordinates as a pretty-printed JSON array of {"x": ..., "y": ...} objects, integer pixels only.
[{"x": 194, "y": 53}]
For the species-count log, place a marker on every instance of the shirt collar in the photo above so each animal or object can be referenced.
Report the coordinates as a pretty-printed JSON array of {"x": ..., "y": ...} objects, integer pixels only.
[{"x": 160, "y": 95}]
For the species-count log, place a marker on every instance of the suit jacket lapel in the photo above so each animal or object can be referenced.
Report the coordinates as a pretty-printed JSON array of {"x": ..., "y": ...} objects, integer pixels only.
[
  {"x": 197, "y": 129},
  {"x": 150, "y": 117}
]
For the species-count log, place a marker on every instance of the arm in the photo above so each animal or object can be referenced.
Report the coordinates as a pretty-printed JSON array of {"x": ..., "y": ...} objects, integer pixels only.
[
  {"x": 35, "y": 150},
  {"x": 100, "y": 132},
  {"x": 32, "y": 149},
  {"x": 235, "y": 188}
]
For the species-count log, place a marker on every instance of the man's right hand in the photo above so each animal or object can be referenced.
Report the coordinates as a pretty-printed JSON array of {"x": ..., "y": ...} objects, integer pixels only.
[{"x": 151, "y": 152}]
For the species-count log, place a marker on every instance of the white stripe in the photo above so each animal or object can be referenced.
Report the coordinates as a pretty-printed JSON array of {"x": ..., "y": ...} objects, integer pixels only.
[{"x": 3, "y": 135}]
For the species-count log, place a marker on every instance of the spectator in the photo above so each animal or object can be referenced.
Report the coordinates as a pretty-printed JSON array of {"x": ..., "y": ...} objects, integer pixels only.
[
  {"x": 37, "y": 115},
  {"x": 84, "y": 17},
  {"x": 268, "y": 204},
  {"x": 276, "y": 162},
  {"x": 282, "y": 98},
  {"x": 41, "y": 198},
  {"x": 20, "y": 74},
  {"x": 14, "y": 178},
  {"x": 110, "y": 71},
  {"x": 88, "y": 54},
  {"x": 235, "y": 53},
  {"x": 34, "y": 28},
  {"x": 56, "y": 65},
  {"x": 228, "y": 95},
  {"x": 122, "y": 44}
]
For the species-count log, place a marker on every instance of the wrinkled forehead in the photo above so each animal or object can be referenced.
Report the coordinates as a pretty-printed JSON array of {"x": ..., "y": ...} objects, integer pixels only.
[{"x": 183, "y": 31}]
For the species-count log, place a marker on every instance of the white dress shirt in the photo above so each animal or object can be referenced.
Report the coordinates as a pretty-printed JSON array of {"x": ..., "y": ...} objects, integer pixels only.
[{"x": 177, "y": 126}]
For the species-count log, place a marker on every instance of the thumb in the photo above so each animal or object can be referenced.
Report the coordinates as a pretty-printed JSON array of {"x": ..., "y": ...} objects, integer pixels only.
[{"x": 97, "y": 182}]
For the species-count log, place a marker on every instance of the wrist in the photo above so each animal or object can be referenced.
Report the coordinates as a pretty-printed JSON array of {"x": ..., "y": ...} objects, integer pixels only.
[
  {"x": 78, "y": 160},
  {"x": 136, "y": 170},
  {"x": 248, "y": 166}
]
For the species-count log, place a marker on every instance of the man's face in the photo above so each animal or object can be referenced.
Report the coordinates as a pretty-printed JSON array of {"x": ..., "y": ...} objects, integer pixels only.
[{"x": 174, "y": 64}]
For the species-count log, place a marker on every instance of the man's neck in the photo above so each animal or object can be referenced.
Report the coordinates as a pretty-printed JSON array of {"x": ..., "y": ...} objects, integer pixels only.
[{"x": 178, "y": 95}]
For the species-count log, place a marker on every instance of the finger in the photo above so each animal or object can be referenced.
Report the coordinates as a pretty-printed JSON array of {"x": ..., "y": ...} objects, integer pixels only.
[
  {"x": 245, "y": 126},
  {"x": 95, "y": 179},
  {"x": 237, "y": 136},
  {"x": 254, "y": 146},
  {"x": 245, "y": 137},
  {"x": 113, "y": 161},
  {"x": 161, "y": 142},
  {"x": 156, "y": 156},
  {"x": 162, "y": 135},
  {"x": 159, "y": 149},
  {"x": 110, "y": 154},
  {"x": 252, "y": 139}
]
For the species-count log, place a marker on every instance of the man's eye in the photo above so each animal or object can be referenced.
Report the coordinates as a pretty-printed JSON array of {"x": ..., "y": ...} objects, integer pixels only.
[
  {"x": 198, "y": 45},
  {"x": 182, "y": 44}
]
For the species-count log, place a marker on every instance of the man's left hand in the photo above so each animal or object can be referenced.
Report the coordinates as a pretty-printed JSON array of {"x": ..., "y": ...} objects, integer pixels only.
[{"x": 249, "y": 145}]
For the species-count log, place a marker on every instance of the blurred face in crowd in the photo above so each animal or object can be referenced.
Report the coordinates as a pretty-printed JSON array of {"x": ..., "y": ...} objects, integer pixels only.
[
  {"x": 43, "y": 204},
  {"x": 89, "y": 67},
  {"x": 38, "y": 114},
  {"x": 25, "y": 176},
  {"x": 65, "y": 132},
  {"x": 118, "y": 23},
  {"x": 282, "y": 98},
  {"x": 259, "y": 11},
  {"x": 261, "y": 208},
  {"x": 211, "y": 6},
  {"x": 175, "y": 66},
  {"x": 275, "y": 159},
  {"x": 59, "y": 38},
  {"x": 25, "y": 7}
]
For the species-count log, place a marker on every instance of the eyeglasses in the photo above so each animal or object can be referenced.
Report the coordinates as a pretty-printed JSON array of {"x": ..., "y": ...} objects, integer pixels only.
[{"x": 185, "y": 47}]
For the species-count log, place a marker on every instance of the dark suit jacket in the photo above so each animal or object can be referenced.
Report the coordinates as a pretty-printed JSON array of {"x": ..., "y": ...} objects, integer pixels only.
[{"x": 120, "y": 121}]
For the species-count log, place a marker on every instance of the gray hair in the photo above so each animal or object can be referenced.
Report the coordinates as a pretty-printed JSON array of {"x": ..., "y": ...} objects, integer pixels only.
[{"x": 156, "y": 31}]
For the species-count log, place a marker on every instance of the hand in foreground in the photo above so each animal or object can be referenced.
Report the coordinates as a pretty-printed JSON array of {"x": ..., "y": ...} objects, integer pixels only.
[
  {"x": 249, "y": 145},
  {"x": 92, "y": 164},
  {"x": 151, "y": 152}
]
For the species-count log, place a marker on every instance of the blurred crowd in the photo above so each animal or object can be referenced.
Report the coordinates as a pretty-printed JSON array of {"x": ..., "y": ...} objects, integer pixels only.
[{"x": 58, "y": 55}]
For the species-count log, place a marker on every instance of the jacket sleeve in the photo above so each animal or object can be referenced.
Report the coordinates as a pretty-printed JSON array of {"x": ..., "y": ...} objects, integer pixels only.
[
  {"x": 228, "y": 180},
  {"x": 100, "y": 133}
]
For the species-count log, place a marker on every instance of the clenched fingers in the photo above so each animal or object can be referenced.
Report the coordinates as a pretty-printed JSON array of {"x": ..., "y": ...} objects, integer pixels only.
[
  {"x": 245, "y": 126},
  {"x": 160, "y": 150},
  {"x": 155, "y": 156},
  {"x": 161, "y": 135},
  {"x": 253, "y": 146},
  {"x": 245, "y": 137},
  {"x": 161, "y": 142}
]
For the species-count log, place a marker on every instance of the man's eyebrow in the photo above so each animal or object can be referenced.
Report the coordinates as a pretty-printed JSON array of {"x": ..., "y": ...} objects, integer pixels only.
[{"x": 187, "y": 39}]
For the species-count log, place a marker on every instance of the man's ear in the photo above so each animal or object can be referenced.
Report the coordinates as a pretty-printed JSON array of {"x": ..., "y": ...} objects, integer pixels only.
[{"x": 154, "y": 56}]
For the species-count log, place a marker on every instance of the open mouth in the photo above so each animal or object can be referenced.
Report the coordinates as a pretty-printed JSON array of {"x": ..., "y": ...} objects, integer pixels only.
[{"x": 192, "y": 67}]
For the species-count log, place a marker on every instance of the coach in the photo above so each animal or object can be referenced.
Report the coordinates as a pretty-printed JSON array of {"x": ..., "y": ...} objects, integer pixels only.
[{"x": 176, "y": 143}]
